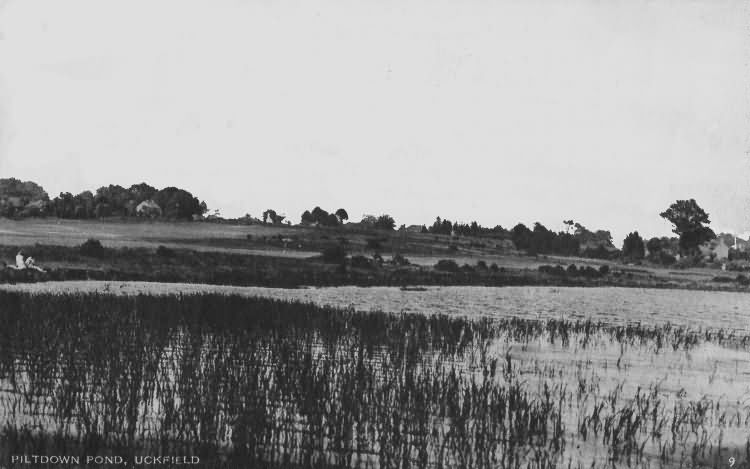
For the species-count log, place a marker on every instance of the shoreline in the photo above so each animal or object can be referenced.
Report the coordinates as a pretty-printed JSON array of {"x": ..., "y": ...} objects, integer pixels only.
[{"x": 155, "y": 288}]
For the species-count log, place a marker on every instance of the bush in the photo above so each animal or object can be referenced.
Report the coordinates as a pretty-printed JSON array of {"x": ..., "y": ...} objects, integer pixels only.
[
  {"x": 572, "y": 269},
  {"x": 666, "y": 258},
  {"x": 743, "y": 280},
  {"x": 599, "y": 252},
  {"x": 481, "y": 265},
  {"x": 334, "y": 255},
  {"x": 164, "y": 251},
  {"x": 374, "y": 244},
  {"x": 467, "y": 268},
  {"x": 361, "y": 262},
  {"x": 722, "y": 279},
  {"x": 494, "y": 267},
  {"x": 398, "y": 259},
  {"x": 92, "y": 248},
  {"x": 604, "y": 269},
  {"x": 688, "y": 262},
  {"x": 447, "y": 265},
  {"x": 589, "y": 272},
  {"x": 556, "y": 270}
]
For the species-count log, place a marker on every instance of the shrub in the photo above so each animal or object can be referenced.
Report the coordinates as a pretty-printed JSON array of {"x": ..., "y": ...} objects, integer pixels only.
[
  {"x": 374, "y": 244},
  {"x": 666, "y": 259},
  {"x": 599, "y": 252},
  {"x": 688, "y": 262},
  {"x": 334, "y": 254},
  {"x": 398, "y": 259},
  {"x": 554, "y": 270},
  {"x": 481, "y": 265},
  {"x": 494, "y": 267},
  {"x": 743, "y": 280},
  {"x": 604, "y": 269},
  {"x": 447, "y": 265},
  {"x": 92, "y": 247},
  {"x": 589, "y": 272},
  {"x": 453, "y": 248},
  {"x": 572, "y": 269},
  {"x": 722, "y": 279},
  {"x": 361, "y": 262},
  {"x": 467, "y": 268},
  {"x": 164, "y": 251}
]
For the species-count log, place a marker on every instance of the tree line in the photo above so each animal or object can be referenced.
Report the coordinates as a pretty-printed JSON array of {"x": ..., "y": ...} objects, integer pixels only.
[
  {"x": 689, "y": 221},
  {"x": 28, "y": 199}
]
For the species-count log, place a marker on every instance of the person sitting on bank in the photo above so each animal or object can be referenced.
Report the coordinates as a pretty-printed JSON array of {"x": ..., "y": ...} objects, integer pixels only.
[
  {"x": 30, "y": 264},
  {"x": 20, "y": 264},
  {"x": 23, "y": 264}
]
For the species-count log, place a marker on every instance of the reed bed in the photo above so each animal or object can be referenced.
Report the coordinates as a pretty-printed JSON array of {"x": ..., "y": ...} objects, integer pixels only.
[{"x": 248, "y": 381}]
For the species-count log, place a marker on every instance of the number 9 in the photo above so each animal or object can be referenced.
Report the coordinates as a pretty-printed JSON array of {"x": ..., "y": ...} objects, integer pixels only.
[{"x": 731, "y": 462}]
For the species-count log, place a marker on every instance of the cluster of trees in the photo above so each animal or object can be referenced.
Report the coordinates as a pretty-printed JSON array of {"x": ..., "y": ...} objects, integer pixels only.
[
  {"x": 633, "y": 247},
  {"x": 321, "y": 217},
  {"x": 115, "y": 200},
  {"x": 382, "y": 222},
  {"x": 271, "y": 215},
  {"x": 544, "y": 241},
  {"x": 658, "y": 250},
  {"x": 21, "y": 199},
  {"x": 689, "y": 222},
  {"x": 588, "y": 238},
  {"x": 447, "y": 227}
]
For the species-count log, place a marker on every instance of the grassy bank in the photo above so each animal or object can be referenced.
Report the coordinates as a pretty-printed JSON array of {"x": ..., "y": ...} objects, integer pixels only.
[{"x": 164, "y": 264}]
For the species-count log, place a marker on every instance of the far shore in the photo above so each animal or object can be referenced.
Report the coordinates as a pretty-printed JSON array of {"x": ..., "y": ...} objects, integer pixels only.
[{"x": 217, "y": 256}]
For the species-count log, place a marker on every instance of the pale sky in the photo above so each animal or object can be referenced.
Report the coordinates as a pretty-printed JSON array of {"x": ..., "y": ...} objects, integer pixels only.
[{"x": 499, "y": 111}]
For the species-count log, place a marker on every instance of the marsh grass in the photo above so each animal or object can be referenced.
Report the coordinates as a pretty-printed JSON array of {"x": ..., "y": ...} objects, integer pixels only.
[{"x": 242, "y": 381}]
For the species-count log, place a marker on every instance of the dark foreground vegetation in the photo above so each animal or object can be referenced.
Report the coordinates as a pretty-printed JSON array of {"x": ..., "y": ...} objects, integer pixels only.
[{"x": 250, "y": 382}]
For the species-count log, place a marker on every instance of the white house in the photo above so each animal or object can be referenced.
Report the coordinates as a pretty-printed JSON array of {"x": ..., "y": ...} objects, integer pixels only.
[
  {"x": 148, "y": 208},
  {"x": 717, "y": 249}
]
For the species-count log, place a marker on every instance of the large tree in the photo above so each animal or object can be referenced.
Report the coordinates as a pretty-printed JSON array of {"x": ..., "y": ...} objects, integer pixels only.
[
  {"x": 688, "y": 221},
  {"x": 178, "y": 203},
  {"x": 521, "y": 236},
  {"x": 633, "y": 247},
  {"x": 342, "y": 215},
  {"x": 385, "y": 222}
]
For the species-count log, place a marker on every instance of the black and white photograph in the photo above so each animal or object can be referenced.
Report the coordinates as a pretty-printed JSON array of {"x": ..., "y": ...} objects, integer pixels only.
[{"x": 375, "y": 234}]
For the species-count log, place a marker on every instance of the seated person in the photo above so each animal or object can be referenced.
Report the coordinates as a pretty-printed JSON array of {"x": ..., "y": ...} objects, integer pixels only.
[
  {"x": 20, "y": 264},
  {"x": 31, "y": 265}
]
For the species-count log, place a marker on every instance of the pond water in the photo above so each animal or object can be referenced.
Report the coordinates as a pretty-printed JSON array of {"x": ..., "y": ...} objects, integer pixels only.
[
  {"x": 727, "y": 310},
  {"x": 616, "y": 305}
]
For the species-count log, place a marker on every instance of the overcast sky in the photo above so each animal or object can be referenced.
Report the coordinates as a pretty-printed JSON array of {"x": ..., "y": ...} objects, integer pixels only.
[{"x": 488, "y": 110}]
